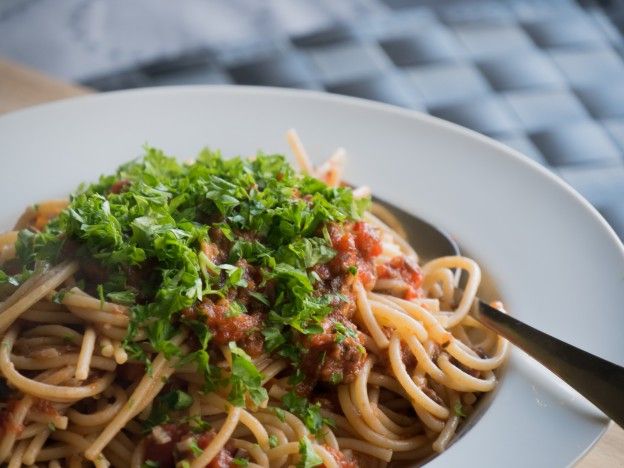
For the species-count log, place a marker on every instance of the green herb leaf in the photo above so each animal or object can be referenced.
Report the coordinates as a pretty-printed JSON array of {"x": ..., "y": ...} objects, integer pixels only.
[
  {"x": 459, "y": 409},
  {"x": 309, "y": 457},
  {"x": 343, "y": 332},
  {"x": 14, "y": 280},
  {"x": 197, "y": 451},
  {"x": 198, "y": 424},
  {"x": 100, "y": 292},
  {"x": 336, "y": 378},
  {"x": 59, "y": 296},
  {"x": 150, "y": 464},
  {"x": 309, "y": 413},
  {"x": 281, "y": 415},
  {"x": 235, "y": 309},
  {"x": 122, "y": 297},
  {"x": 306, "y": 252},
  {"x": 246, "y": 379},
  {"x": 259, "y": 297},
  {"x": 164, "y": 405}
]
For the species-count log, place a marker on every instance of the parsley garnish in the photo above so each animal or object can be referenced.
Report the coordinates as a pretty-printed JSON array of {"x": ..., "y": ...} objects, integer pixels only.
[
  {"x": 336, "y": 378},
  {"x": 14, "y": 280},
  {"x": 259, "y": 297},
  {"x": 245, "y": 379},
  {"x": 273, "y": 441},
  {"x": 164, "y": 405},
  {"x": 309, "y": 413},
  {"x": 279, "y": 412},
  {"x": 235, "y": 309},
  {"x": 145, "y": 243},
  {"x": 194, "y": 447},
  {"x": 343, "y": 332},
  {"x": 100, "y": 292},
  {"x": 198, "y": 424},
  {"x": 459, "y": 409},
  {"x": 69, "y": 339},
  {"x": 309, "y": 457},
  {"x": 122, "y": 297},
  {"x": 59, "y": 296}
]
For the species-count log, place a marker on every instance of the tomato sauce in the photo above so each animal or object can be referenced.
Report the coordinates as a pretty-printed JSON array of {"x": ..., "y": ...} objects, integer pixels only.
[
  {"x": 243, "y": 328},
  {"x": 356, "y": 246},
  {"x": 404, "y": 268},
  {"x": 7, "y": 423},
  {"x": 341, "y": 459}
]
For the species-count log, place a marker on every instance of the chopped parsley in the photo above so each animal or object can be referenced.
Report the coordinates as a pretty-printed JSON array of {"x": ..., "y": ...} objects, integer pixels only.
[
  {"x": 458, "y": 409},
  {"x": 336, "y": 378},
  {"x": 236, "y": 309},
  {"x": 309, "y": 413},
  {"x": 144, "y": 229},
  {"x": 150, "y": 464},
  {"x": 273, "y": 441},
  {"x": 343, "y": 332},
  {"x": 246, "y": 379},
  {"x": 100, "y": 293},
  {"x": 279, "y": 412},
  {"x": 198, "y": 424},
  {"x": 59, "y": 296},
  {"x": 70, "y": 339},
  {"x": 197, "y": 451},
  {"x": 164, "y": 405},
  {"x": 122, "y": 297},
  {"x": 309, "y": 457},
  {"x": 13, "y": 280}
]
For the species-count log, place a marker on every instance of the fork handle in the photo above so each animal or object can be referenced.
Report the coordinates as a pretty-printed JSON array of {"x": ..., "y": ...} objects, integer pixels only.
[{"x": 598, "y": 380}]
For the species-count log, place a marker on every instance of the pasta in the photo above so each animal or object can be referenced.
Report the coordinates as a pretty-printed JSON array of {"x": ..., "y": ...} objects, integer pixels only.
[{"x": 231, "y": 314}]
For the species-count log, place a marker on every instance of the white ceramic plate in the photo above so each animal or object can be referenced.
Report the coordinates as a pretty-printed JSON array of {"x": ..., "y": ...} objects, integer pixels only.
[{"x": 556, "y": 263}]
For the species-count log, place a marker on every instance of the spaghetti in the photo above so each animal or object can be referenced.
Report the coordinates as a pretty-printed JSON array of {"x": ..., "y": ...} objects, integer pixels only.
[{"x": 231, "y": 313}]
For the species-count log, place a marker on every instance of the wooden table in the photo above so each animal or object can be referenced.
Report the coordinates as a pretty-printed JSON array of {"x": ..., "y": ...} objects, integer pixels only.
[{"x": 21, "y": 87}]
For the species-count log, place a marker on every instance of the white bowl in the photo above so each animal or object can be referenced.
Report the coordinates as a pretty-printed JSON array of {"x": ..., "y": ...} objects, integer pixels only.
[{"x": 556, "y": 263}]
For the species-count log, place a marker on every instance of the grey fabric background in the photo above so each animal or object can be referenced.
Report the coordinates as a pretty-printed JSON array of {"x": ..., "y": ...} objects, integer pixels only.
[{"x": 80, "y": 39}]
